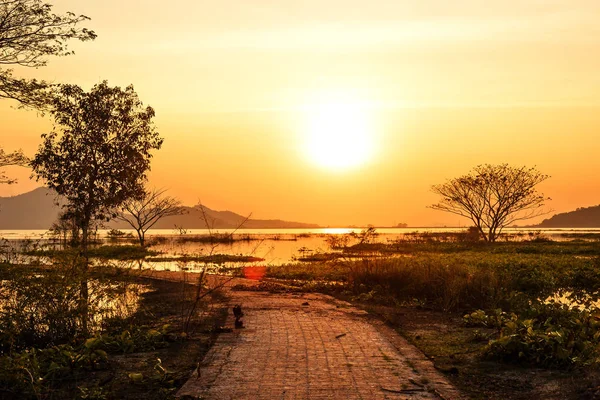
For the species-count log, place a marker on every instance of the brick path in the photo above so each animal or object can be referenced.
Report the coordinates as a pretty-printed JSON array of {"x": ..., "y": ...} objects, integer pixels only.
[{"x": 325, "y": 349}]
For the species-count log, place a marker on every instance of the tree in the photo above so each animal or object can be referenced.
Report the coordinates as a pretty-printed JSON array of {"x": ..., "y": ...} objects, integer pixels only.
[
  {"x": 144, "y": 212},
  {"x": 100, "y": 158},
  {"x": 64, "y": 226},
  {"x": 493, "y": 197},
  {"x": 16, "y": 158},
  {"x": 29, "y": 33}
]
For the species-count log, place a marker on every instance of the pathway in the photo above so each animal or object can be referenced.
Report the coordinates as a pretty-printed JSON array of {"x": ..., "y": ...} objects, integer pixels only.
[{"x": 311, "y": 346}]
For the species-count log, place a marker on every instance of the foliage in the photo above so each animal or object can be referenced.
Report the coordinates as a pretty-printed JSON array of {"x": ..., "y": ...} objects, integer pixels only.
[
  {"x": 309, "y": 272},
  {"x": 39, "y": 308},
  {"x": 37, "y": 365},
  {"x": 36, "y": 371},
  {"x": 493, "y": 197},
  {"x": 547, "y": 334},
  {"x": 66, "y": 228},
  {"x": 214, "y": 238},
  {"x": 116, "y": 252},
  {"x": 16, "y": 158},
  {"x": 352, "y": 240},
  {"x": 131, "y": 340},
  {"x": 365, "y": 236},
  {"x": 145, "y": 211},
  {"x": 33, "y": 372},
  {"x": 496, "y": 319},
  {"x": 460, "y": 281},
  {"x": 101, "y": 157},
  {"x": 29, "y": 33},
  {"x": 213, "y": 258},
  {"x": 115, "y": 234},
  {"x": 41, "y": 305}
]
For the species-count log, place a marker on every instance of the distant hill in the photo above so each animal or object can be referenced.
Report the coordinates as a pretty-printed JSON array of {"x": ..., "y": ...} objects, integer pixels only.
[
  {"x": 38, "y": 210},
  {"x": 586, "y": 217},
  {"x": 32, "y": 210}
]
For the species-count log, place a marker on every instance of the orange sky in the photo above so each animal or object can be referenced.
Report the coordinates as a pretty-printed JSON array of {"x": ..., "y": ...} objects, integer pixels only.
[{"x": 446, "y": 86}]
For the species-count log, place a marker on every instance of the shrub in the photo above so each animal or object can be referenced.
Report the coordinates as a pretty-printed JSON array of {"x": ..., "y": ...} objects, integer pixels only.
[
  {"x": 558, "y": 337},
  {"x": 42, "y": 306},
  {"x": 472, "y": 280},
  {"x": 34, "y": 372},
  {"x": 497, "y": 319}
]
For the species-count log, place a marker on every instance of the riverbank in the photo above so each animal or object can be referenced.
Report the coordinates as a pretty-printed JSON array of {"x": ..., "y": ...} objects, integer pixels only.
[
  {"x": 145, "y": 348},
  {"x": 499, "y": 324}
]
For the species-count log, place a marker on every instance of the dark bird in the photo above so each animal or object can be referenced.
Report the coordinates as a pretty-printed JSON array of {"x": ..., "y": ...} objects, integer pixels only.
[{"x": 238, "y": 314}]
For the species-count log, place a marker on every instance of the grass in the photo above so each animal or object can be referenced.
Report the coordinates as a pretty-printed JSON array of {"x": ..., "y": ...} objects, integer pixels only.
[
  {"x": 575, "y": 247},
  {"x": 215, "y": 259},
  {"x": 109, "y": 252},
  {"x": 463, "y": 281},
  {"x": 216, "y": 238},
  {"x": 455, "y": 351},
  {"x": 424, "y": 289},
  {"x": 309, "y": 271},
  {"x": 146, "y": 355}
]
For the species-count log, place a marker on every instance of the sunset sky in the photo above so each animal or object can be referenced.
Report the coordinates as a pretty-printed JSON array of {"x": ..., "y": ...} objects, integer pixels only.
[{"x": 251, "y": 97}]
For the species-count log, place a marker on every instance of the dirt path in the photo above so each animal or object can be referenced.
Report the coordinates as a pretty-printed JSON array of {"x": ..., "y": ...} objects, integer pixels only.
[{"x": 311, "y": 346}]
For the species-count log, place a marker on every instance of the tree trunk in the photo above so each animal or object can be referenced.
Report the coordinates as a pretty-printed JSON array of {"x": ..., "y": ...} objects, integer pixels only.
[
  {"x": 83, "y": 289},
  {"x": 482, "y": 232},
  {"x": 492, "y": 235},
  {"x": 141, "y": 238}
]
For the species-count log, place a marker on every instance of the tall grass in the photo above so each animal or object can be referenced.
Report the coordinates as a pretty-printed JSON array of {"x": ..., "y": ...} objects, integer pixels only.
[
  {"x": 468, "y": 280},
  {"x": 475, "y": 280}
]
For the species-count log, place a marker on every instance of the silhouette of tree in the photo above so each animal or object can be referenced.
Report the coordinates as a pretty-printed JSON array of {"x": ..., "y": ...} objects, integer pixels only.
[
  {"x": 64, "y": 226},
  {"x": 100, "y": 158},
  {"x": 493, "y": 197},
  {"x": 7, "y": 159},
  {"x": 144, "y": 212},
  {"x": 29, "y": 33}
]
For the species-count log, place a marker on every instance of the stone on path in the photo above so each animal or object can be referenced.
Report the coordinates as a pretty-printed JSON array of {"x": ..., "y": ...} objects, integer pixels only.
[{"x": 324, "y": 350}]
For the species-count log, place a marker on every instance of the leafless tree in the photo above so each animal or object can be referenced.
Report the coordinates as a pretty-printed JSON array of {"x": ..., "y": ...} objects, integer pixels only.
[
  {"x": 143, "y": 213},
  {"x": 493, "y": 197},
  {"x": 16, "y": 158},
  {"x": 29, "y": 33}
]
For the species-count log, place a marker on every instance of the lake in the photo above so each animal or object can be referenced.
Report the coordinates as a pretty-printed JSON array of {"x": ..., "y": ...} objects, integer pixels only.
[{"x": 275, "y": 246}]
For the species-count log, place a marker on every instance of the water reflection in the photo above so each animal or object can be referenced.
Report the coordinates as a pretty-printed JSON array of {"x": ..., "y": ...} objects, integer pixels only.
[{"x": 272, "y": 247}]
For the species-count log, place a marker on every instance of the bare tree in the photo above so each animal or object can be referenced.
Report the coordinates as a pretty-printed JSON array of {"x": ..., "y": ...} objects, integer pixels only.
[
  {"x": 16, "y": 158},
  {"x": 144, "y": 212},
  {"x": 29, "y": 33},
  {"x": 493, "y": 197}
]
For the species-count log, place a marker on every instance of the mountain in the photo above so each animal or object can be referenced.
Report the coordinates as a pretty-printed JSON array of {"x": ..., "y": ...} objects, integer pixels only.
[
  {"x": 585, "y": 217},
  {"x": 32, "y": 210},
  {"x": 38, "y": 210}
]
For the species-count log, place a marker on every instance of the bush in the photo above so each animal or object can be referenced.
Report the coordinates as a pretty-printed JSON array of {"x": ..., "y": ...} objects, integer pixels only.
[
  {"x": 462, "y": 281},
  {"x": 35, "y": 373},
  {"x": 42, "y": 306},
  {"x": 497, "y": 319},
  {"x": 447, "y": 283},
  {"x": 39, "y": 307},
  {"x": 557, "y": 336},
  {"x": 111, "y": 252}
]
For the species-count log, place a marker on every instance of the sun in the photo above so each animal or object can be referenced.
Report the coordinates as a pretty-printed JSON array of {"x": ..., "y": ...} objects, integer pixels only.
[{"x": 339, "y": 135}]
